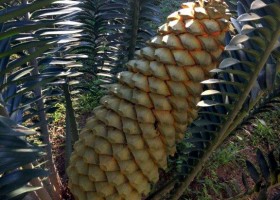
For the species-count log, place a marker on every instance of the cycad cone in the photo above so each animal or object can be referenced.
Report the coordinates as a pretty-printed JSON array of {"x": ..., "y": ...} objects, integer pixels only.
[{"x": 142, "y": 118}]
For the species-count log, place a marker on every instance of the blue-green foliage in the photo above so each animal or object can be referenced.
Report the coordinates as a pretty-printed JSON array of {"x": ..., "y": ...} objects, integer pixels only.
[
  {"x": 15, "y": 153},
  {"x": 244, "y": 51},
  {"x": 35, "y": 59},
  {"x": 107, "y": 35}
]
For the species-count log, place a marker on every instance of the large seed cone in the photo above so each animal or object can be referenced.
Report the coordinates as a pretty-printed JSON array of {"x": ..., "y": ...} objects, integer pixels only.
[{"x": 139, "y": 122}]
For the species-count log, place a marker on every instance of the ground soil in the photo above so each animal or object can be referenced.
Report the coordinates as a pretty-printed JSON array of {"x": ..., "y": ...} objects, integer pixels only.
[
  {"x": 58, "y": 141},
  {"x": 57, "y": 130}
]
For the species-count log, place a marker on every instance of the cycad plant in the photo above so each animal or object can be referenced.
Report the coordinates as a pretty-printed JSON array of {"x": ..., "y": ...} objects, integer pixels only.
[
  {"x": 144, "y": 115},
  {"x": 143, "y": 118},
  {"x": 227, "y": 98},
  {"x": 253, "y": 54},
  {"x": 112, "y": 31},
  {"x": 34, "y": 61},
  {"x": 15, "y": 168}
]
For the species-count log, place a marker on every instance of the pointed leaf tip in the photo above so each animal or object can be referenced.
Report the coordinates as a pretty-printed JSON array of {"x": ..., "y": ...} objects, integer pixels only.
[
  {"x": 263, "y": 165},
  {"x": 228, "y": 62},
  {"x": 238, "y": 39},
  {"x": 210, "y": 92},
  {"x": 253, "y": 171},
  {"x": 272, "y": 162},
  {"x": 207, "y": 103},
  {"x": 247, "y": 29},
  {"x": 257, "y": 4},
  {"x": 248, "y": 17}
]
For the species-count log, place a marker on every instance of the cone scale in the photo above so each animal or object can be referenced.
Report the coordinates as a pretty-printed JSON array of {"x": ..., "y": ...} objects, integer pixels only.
[{"x": 145, "y": 114}]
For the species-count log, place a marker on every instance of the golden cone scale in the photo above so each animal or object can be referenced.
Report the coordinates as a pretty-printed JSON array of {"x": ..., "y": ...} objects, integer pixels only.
[{"x": 139, "y": 122}]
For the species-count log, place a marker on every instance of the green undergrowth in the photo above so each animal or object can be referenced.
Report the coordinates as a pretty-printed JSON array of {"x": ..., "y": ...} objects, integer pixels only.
[
  {"x": 221, "y": 176},
  {"x": 167, "y": 7},
  {"x": 90, "y": 98},
  {"x": 210, "y": 183},
  {"x": 267, "y": 130},
  {"x": 60, "y": 112}
]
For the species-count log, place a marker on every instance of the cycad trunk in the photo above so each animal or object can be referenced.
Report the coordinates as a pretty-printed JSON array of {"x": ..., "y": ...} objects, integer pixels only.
[{"x": 142, "y": 118}]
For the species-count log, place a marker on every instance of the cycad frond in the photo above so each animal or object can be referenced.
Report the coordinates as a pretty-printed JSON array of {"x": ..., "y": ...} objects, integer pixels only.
[
  {"x": 230, "y": 93},
  {"x": 264, "y": 174},
  {"x": 16, "y": 152},
  {"x": 32, "y": 66},
  {"x": 32, "y": 40},
  {"x": 113, "y": 30}
]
